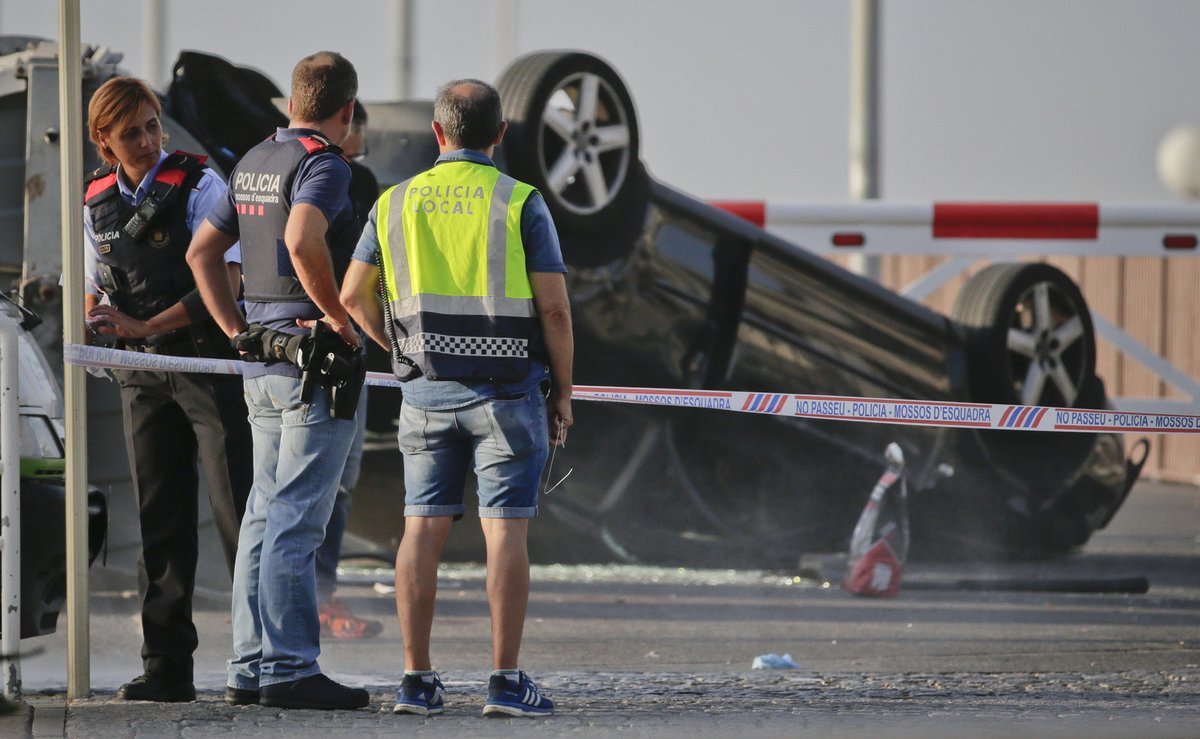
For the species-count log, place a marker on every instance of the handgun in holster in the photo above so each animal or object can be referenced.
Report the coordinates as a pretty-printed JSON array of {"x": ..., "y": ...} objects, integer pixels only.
[{"x": 329, "y": 362}]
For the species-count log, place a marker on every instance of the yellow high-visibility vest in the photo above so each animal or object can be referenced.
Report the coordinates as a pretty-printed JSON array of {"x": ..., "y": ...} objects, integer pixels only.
[{"x": 454, "y": 267}]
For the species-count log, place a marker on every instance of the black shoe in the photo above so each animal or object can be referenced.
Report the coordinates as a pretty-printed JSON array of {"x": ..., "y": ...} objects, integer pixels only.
[
  {"x": 155, "y": 687},
  {"x": 315, "y": 691},
  {"x": 241, "y": 696}
]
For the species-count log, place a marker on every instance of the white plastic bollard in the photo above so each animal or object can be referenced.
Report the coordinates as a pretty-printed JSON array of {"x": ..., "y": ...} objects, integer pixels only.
[{"x": 10, "y": 510}]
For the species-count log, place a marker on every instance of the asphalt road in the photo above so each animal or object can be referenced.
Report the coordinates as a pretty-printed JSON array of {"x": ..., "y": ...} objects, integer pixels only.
[{"x": 664, "y": 652}]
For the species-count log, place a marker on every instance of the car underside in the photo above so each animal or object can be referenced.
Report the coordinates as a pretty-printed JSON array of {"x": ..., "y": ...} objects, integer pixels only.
[{"x": 670, "y": 292}]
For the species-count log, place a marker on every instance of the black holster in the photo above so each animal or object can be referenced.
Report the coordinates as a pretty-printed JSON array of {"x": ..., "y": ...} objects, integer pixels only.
[{"x": 331, "y": 363}]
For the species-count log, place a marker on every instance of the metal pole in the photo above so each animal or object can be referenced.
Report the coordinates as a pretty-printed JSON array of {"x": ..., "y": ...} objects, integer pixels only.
[
  {"x": 402, "y": 48},
  {"x": 506, "y": 12},
  {"x": 153, "y": 26},
  {"x": 10, "y": 510},
  {"x": 70, "y": 117},
  {"x": 864, "y": 114}
]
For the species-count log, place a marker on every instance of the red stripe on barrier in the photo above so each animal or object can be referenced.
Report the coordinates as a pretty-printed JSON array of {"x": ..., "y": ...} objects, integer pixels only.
[
  {"x": 1080, "y": 221},
  {"x": 1004, "y": 419},
  {"x": 1038, "y": 418},
  {"x": 754, "y": 211}
]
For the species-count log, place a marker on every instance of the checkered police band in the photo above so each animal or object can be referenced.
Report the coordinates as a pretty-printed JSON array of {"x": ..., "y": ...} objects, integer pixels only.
[{"x": 466, "y": 346}]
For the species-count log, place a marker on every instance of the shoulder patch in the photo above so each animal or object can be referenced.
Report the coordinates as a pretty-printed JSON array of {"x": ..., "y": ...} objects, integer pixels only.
[
  {"x": 99, "y": 186},
  {"x": 178, "y": 166},
  {"x": 313, "y": 144}
]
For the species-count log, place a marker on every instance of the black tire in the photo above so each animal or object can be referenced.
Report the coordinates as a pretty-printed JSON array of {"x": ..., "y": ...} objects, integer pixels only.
[
  {"x": 1029, "y": 334},
  {"x": 1023, "y": 321},
  {"x": 584, "y": 163}
]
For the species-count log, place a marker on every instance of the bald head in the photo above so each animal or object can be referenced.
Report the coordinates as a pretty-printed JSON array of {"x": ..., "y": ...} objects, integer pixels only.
[{"x": 469, "y": 113}]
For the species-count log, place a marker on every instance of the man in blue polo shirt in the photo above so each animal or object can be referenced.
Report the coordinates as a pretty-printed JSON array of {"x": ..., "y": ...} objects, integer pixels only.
[
  {"x": 478, "y": 319},
  {"x": 289, "y": 204}
]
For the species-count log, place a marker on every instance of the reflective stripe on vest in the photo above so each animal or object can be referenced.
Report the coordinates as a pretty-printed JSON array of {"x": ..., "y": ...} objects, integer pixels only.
[{"x": 454, "y": 261}]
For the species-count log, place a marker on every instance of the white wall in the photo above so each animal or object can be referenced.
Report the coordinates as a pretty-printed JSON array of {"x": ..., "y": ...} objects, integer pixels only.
[{"x": 1023, "y": 99}]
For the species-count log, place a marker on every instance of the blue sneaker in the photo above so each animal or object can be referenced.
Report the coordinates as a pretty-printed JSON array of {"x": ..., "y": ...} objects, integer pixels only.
[
  {"x": 423, "y": 695},
  {"x": 515, "y": 695}
]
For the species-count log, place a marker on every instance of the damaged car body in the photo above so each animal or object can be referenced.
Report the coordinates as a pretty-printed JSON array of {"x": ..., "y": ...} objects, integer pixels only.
[{"x": 670, "y": 292}]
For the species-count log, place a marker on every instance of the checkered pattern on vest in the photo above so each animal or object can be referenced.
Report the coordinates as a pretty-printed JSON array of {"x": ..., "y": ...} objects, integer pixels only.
[{"x": 467, "y": 346}]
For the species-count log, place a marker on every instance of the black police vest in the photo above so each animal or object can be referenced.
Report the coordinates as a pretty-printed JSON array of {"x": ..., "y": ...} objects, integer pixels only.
[
  {"x": 141, "y": 249},
  {"x": 262, "y": 190}
]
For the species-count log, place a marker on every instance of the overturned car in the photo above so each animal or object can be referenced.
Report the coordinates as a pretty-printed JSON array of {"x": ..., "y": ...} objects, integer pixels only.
[{"x": 670, "y": 292}]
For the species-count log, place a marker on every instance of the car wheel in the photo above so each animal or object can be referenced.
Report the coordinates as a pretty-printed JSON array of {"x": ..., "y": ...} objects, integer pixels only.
[
  {"x": 1030, "y": 338},
  {"x": 573, "y": 134}
]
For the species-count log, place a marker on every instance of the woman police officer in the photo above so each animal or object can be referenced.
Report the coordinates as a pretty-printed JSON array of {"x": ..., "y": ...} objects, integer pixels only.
[{"x": 140, "y": 212}]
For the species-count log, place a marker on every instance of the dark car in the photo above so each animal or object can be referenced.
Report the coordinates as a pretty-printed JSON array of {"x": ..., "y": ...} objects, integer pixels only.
[{"x": 670, "y": 292}]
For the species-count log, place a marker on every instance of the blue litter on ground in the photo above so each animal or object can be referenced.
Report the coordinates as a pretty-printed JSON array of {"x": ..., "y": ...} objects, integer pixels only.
[{"x": 773, "y": 662}]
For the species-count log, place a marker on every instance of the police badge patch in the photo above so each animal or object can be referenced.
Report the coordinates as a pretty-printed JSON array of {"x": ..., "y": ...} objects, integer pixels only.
[{"x": 159, "y": 238}]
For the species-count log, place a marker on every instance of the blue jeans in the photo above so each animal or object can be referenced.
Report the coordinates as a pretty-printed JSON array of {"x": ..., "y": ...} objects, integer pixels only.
[
  {"x": 505, "y": 440},
  {"x": 331, "y": 549},
  {"x": 299, "y": 453}
]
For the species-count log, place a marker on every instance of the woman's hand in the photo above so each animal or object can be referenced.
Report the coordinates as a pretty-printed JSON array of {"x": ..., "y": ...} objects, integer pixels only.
[{"x": 106, "y": 320}]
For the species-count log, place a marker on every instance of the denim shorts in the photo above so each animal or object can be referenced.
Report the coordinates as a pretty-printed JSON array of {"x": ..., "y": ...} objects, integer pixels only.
[{"x": 505, "y": 441}]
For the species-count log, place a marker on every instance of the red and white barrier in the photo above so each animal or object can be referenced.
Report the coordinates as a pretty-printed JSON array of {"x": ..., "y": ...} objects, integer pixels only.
[
  {"x": 979, "y": 229},
  {"x": 967, "y": 232}
]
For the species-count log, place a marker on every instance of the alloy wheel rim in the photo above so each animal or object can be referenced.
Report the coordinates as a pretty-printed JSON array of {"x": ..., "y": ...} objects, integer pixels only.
[
  {"x": 1045, "y": 345},
  {"x": 585, "y": 143}
]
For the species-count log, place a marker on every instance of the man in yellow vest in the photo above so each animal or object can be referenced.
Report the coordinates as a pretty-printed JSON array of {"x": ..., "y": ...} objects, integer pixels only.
[{"x": 478, "y": 322}]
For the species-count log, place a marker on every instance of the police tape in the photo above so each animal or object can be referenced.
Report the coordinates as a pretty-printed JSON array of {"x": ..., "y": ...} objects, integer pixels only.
[
  {"x": 105, "y": 358},
  {"x": 944, "y": 414}
]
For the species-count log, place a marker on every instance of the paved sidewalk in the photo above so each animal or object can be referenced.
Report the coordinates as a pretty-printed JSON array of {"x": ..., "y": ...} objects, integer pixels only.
[
  {"x": 709, "y": 705},
  {"x": 663, "y": 652}
]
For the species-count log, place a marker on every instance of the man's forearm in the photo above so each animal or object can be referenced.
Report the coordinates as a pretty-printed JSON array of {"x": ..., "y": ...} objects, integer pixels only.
[
  {"x": 305, "y": 239},
  {"x": 315, "y": 272},
  {"x": 554, "y": 314},
  {"x": 560, "y": 350},
  {"x": 362, "y": 302},
  {"x": 370, "y": 318},
  {"x": 173, "y": 317},
  {"x": 206, "y": 257},
  {"x": 213, "y": 282}
]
